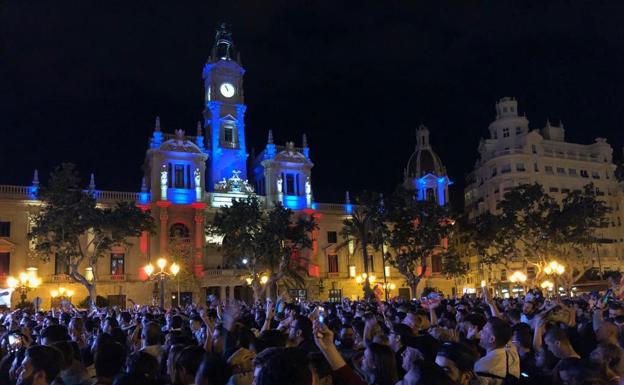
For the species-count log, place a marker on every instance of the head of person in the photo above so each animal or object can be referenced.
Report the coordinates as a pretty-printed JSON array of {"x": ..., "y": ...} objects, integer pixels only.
[
  {"x": 188, "y": 362},
  {"x": 545, "y": 360},
  {"x": 143, "y": 365},
  {"x": 54, "y": 333},
  {"x": 346, "y": 336},
  {"x": 109, "y": 324},
  {"x": 195, "y": 323},
  {"x": 282, "y": 366},
  {"x": 40, "y": 366},
  {"x": 399, "y": 336},
  {"x": 151, "y": 334},
  {"x": 495, "y": 334},
  {"x": 175, "y": 322},
  {"x": 379, "y": 363},
  {"x": 172, "y": 357},
  {"x": 109, "y": 359},
  {"x": 269, "y": 339},
  {"x": 607, "y": 333},
  {"x": 615, "y": 309},
  {"x": 427, "y": 373},
  {"x": 557, "y": 342},
  {"x": 528, "y": 307},
  {"x": 458, "y": 361},
  {"x": 212, "y": 371},
  {"x": 522, "y": 337},
  {"x": 76, "y": 328},
  {"x": 300, "y": 329},
  {"x": 573, "y": 371},
  {"x": 217, "y": 339},
  {"x": 321, "y": 370},
  {"x": 608, "y": 356},
  {"x": 409, "y": 357}
]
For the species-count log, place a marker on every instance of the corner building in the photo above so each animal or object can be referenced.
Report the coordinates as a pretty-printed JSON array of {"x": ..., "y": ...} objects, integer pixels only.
[{"x": 514, "y": 154}]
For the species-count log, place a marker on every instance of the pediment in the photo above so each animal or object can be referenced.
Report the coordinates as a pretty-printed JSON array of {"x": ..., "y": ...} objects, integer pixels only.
[{"x": 6, "y": 246}]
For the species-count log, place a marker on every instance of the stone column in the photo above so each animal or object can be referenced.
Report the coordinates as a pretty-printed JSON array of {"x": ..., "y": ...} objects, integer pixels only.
[
  {"x": 222, "y": 293},
  {"x": 231, "y": 296},
  {"x": 164, "y": 227},
  {"x": 199, "y": 239}
]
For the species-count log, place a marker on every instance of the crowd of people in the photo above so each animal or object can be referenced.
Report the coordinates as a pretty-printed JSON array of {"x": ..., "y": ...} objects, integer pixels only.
[{"x": 467, "y": 340}]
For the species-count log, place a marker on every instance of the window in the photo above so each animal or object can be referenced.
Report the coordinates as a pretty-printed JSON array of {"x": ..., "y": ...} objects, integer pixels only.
[
  {"x": 553, "y": 189},
  {"x": 518, "y": 130},
  {"x": 506, "y": 169},
  {"x": 584, "y": 174},
  {"x": 503, "y": 275},
  {"x": 371, "y": 263},
  {"x": 505, "y": 132},
  {"x": 595, "y": 175},
  {"x": 5, "y": 229},
  {"x": 561, "y": 170},
  {"x": 531, "y": 272},
  {"x": 117, "y": 264},
  {"x": 430, "y": 194},
  {"x": 534, "y": 148},
  {"x": 565, "y": 190},
  {"x": 520, "y": 167},
  {"x": 60, "y": 265},
  {"x": 290, "y": 184},
  {"x": 548, "y": 169},
  {"x": 332, "y": 237},
  {"x": 332, "y": 263},
  {"x": 535, "y": 168},
  {"x": 436, "y": 264},
  {"x": 179, "y": 176},
  {"x": 494, "y": 173},
  {"x": 228, "y": 134},
  {"x": 4, "y": 264},
  {"x": 572, "y": 171},
  {"x": 169, "y": 175}
]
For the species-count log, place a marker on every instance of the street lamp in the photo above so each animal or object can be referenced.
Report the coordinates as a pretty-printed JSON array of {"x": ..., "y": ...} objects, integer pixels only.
[
  {"x": 162, "y": 275},
  {"x": 555, "y": 269},
  {"x": 61, "y": 293},
  {"x": 518, "y": 277},
  {"x": 388, "y": 288},
  {"x": 26, "y": 282}
]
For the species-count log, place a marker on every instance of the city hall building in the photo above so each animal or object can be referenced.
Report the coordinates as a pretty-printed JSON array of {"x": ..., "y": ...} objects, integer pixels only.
[{"x": 188, "y": 178}]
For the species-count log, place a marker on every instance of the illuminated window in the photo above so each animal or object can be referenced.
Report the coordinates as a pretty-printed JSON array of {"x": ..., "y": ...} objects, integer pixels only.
[{"x": 117, "y": 264}]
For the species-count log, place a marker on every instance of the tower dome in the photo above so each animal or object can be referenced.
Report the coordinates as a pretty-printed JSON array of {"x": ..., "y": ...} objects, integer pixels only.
[{"x": 424, "y": 160}]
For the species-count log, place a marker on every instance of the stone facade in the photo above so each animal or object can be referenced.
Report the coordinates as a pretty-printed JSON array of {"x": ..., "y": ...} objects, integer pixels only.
[{"x": 515, "y": 154}]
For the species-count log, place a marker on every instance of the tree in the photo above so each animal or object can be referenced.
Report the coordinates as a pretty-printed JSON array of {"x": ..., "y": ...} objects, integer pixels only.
[
  {"x": 75, "y": 230},
  {"x": 417, "y": 231},
  {"x": 365, "y": 227},
  {"x": 534, "y": 228},
  {"x": 460, "y": 247},
  {"x": 264, "y": 242}
]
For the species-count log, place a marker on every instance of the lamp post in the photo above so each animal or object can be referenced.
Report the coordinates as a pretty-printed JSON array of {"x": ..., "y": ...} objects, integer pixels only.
[
  {"x": 555, "y": 269},
  {"x": 25, "y": 283},
  {"x": 518, "y": 277},
  {"x": 361, "y": 279},
  {"x": 162, "y": 275}
]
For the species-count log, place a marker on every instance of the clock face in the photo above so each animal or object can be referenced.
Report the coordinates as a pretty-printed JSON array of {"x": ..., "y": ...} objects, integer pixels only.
[{"x": 227, "y": 90}]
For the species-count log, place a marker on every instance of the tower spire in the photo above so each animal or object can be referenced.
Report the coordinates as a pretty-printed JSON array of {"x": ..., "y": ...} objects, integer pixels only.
[
  {"x": 35, "y": 180},
  {"x": 347, "y": 197},
  {"x": 223, "y": 48},
  {"x": 143, "y": 185},
  {"x": 304, "y": 141},
  {"x": 92, "y": 182},
  {"x": 157, "y": 124},
  {"x": 270, "y": 139}
]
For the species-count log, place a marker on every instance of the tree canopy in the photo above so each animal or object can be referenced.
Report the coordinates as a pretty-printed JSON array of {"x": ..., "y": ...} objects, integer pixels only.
[
  {"x": 271, "y": 242},
  {"x": 533, "y": 227},
  {"x": 73, "y": 228}
]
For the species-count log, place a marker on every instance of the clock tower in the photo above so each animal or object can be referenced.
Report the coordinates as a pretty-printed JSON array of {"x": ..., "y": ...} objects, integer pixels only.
[{"x": 224, "y": 113}]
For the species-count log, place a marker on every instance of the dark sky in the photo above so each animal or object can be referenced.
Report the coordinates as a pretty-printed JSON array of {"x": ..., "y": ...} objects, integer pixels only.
[{"x": 82, "y": 81}]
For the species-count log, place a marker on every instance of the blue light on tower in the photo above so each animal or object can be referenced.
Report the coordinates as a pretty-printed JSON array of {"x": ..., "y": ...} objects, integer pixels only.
[
  {"x": 348, "y": 208},
  {"x": 144, "y": 197}
]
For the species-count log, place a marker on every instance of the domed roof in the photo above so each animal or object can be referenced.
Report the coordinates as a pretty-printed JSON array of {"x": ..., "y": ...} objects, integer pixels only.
[{"x": 424, "y": 160}]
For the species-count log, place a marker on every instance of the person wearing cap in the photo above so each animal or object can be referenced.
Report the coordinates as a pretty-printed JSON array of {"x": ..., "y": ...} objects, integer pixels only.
[{"x": 458, "y": 361}]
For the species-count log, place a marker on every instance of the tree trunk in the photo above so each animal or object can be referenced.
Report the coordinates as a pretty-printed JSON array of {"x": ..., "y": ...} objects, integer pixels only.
[
  {"x": 368, "y": 292},
  {"x": 414, "y": 286}
]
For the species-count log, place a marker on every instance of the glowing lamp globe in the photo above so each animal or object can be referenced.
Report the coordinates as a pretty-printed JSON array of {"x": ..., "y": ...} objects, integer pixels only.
[
  {"x": 175, "y": 268},
  {"x": 162, "y": 262},
  {"x": 149, "y": 269},
  {"x": 12, "y": 282}
]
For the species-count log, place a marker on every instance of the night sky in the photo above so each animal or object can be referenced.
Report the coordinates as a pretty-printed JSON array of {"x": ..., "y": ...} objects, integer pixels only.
[{"x": 82, "y": 81}]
